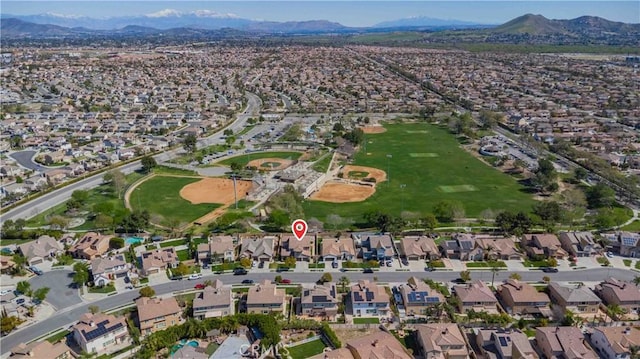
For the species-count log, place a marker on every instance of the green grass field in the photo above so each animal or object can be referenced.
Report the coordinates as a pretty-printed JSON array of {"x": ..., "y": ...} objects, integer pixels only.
[
  {"x": 246, "y": 158},
  {"x": 307, "y": 350},
  {"x": 445, "y": 172},
  {"x": 160, "y": 195}
]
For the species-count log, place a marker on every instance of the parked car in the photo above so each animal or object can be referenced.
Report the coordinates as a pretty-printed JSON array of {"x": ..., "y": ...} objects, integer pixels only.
[
  {"x": 286, "y": 281},
  {"x": 199, "y": 286},
  {"x": 247, "y": 281},
  {"x": 368, "y": 270},
  {"x": 429, "y": 269},
  {"x": 610, "y": 254},
  {"x": 20, "y": 301},
  {"x": 459, "y": 281},
  {"x": 240, "y": 271},
  {"x": 550, "y": 270},
  {"x": 282, "y": 269},
  {"x": 35, "y": 270},
  {"x": 195, "y": 276},
  {"x": 334, "y": 264},
  {"x": 405, "y": 261}
]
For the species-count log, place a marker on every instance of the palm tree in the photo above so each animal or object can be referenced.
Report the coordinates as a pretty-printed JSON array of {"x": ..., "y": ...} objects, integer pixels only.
[
  {"x": 636, "y": 280},
  {"x": 614, "y": 311},
  {"x": 344, "y": 282},
  {"x": 494, "y": 270}
]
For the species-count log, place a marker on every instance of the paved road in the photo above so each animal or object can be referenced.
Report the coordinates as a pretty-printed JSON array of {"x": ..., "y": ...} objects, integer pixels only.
[
  {"x": 62, "y": 294},
  {"x": 65, "y": 317},
  {"x": 25, "y": 159}
]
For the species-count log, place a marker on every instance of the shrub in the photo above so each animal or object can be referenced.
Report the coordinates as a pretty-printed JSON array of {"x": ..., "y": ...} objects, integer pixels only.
[{"x": 331, "y": 336}]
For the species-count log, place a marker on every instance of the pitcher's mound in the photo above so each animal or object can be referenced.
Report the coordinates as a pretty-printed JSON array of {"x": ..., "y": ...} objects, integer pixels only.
[
  {"x": 336, "y": 192},
  {"x": 350, "y": 171},
  {"x": 215, "y": 190},
  {"x": 270, "y": 164}
]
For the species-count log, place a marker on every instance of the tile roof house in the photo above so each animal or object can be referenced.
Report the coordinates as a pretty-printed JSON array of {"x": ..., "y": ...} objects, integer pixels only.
[
  {"x": 156, "y": 314},
  {"x": 6, "y": 264},
  {"x": 42, "y": 248},
  {"x": 615, "y": 342},
  {"x": 624, "y": 294},
  {"x": 376, "y": 247},
  {"x": 218, "y": 248},
  {"x": 213, "y": 301},
  {"x": 266, "y": 297},
  {"x": 543, "y": 245},
  {"x": 338, "y": 249},
  {"x": 477, "y": 296},
  {"x": 462, "y": 247},
  {"x": 578, "y": 299},
  {"x": 321, "y": 301},
  {"x": 418, "y": 297},
  {"x": 441, "y": 341},
  {"x": 580, "y": 244},
  {"x": 563, "y": 342},
  {"x": 101, "y": 333},
  {"x": 629, "y": 244},
  {"x": 523, "y": 298},
  {"x": 91, "y": 245},
  {"x": 42, "y": 349},
  {"x": 379, "y": 345},
  {"x": 158, "y": 260},
  {"x": 260, "y": 249},
  {"x": 419, "y": 248},
  {"x": 501, "y": 343},
  {"x": 369, "y": 299},
  {"x": 301, "y": 250},
  {"x": 106, "y": 269},
  {"x": 498, "y": 248}
]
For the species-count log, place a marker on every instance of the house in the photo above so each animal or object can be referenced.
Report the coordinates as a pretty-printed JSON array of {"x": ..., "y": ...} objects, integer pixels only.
[
  {"x": 503, "y": 344},
  {"x": 6, "y": 264},
  {"x": 375, "y": 247},
  {"x": 441, "y": 341},
  {"x": 101, "y": 333},
  {"x": 462, "y": 246},
  {"x": 580, "y": 244},
  {"x": 624, "y": 294},
  {"x": 213, "y": 301},
  {"x": 418, "y": 298},
  {"x": 369, "y": 299},
  {"x": 42, "y": 349},
  {"x": 218, "y": 248},
  {"x": 189, "y": 352},
  {"x": 158, "y": 260},
  {"x": 563, "y": 342},
  {"x": 498, "y": 248},
  {"x": 265, "y": 298},
  {"x": 321, "y": 301},
  {"x": 334, "y": 249},
  {"x": 543, "y": 246},
  {"x": 419, "y": 248},
  {"x": 477, "y": 296},
  {"x": 45, "y": 247},
  {"x": 523, "y": 298},
  {"x": 301, "y": 250},
  {"x": 259, "y": 249},
  {"x": 629, "y": 244},
  {"x": 91, "y": 245},
  {"x": 156, "y": 314},
  {"x": 105, "y": 270},
  {"x": 578, "y": 299},
  {"x": 379, "y": 345},
  {"x": 615, "y": 342}
]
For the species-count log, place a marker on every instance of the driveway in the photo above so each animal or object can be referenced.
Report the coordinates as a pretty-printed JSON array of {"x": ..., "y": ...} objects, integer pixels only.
[{"x": 62, "y": 294}]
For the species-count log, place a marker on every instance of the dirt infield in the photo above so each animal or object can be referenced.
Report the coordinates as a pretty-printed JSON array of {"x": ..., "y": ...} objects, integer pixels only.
[
  {"x": 336, "y": 192},
  {"x": 259, "y": 163},
  {"x": 379, "y": 175},
  {"x": 214, "y": 190},
  {"x": 373, "y": 129}
]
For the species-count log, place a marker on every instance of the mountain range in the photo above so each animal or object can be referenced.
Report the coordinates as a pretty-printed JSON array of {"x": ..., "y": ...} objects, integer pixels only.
[{"x": 204, "y": 21}]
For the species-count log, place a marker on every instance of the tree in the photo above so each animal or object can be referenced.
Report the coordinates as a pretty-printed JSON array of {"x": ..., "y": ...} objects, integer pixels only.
[
  {"x": 20, "y": 262},
  {"x": 430, "y": 221},
  {"x": 148, "y": 163},
  {"x": 81, "y": 275},
  {"x": 190, "y": 143},
  {"x": 511, "y": 223},
  {"x": 278, "y": 279},
  {"x": 445, "y": 211},
  {"x": 549, "y": 212},
  {"x": 552, "y": 262},
  {"x": 545, "y": 177},
  {"x": 344, "y": 282},
  {"x": 181, "y": 270},
  {"x": 58, "y": 222},
  {"x": 580, "y": 173},
  {"x": 24, "y": 287},
  {"x": 636, "y": 280},
  {"x": 40, "y": 294},
  {"x": 93, "y": 309},
  {"x": 236, "y": 166},
  {"x": 116, "y": 179},
  {"x": 9, "y": 323},
  {"x": 465, "y": 275},
  {"x": 546, "y": 279},
  {"x": 515, "y": 276},
  {"x": 147, "y": 292},
  {"x": 245, "y": 262},
  {"x": 290, "y": 262},
  {"x": 600, "y": 196},
  {"x": 326, "y": 277}
]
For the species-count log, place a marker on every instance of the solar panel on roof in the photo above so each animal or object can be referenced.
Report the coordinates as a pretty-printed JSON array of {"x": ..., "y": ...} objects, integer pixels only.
[
  {"x": 369, "y": 296},
  {"x": 357, "y": 296},
  {"x": 503, "y": 341}
]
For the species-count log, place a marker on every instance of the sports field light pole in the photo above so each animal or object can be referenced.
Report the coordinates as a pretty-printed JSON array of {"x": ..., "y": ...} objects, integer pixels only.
[
  {"x": 388, "y": 168},
  {"x": 402, "y": 186}
]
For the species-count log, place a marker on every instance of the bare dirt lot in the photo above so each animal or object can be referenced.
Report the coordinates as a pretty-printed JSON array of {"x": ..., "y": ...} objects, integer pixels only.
[
  {"x": 373, "y": 129},
  {"x": 264, "y": 163},
  {"x": 337, "y": 192},
  {"x": 215, "y": 190},
  {"x": 379, "y": 175}
]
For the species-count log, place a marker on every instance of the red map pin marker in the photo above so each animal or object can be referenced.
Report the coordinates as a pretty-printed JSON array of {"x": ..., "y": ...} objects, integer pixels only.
[{"x": 299, "y": 228}]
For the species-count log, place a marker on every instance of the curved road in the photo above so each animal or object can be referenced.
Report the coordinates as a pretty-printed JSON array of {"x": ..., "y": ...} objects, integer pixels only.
[
  {"x": 51, "y": 199},
  {"x": 25, "y": 159},
  {"x": 65, "y": 317}
]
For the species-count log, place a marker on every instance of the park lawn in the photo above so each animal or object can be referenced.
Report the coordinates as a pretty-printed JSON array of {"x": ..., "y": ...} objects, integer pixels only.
[
  {"x": 160, "y": 195},
  {"x": 431, "y": 167},
  {"x": 306, "y": 350},
  {"x": 366, "y": 321},
  {"x": 248, "y": 157},
  {"x": 322, "y": 165},
  {"x": 632, "y": 227}
]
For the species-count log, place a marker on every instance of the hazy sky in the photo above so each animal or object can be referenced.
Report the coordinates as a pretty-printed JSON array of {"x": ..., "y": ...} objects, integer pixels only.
[{"x": 349, "y": 13}]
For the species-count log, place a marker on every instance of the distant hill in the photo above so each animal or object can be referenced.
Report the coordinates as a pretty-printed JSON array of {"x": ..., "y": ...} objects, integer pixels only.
[
  {"x": 540, "y": 25},
  {"x": 423, "y": 21},
  {"x": 19, "y": 28}
]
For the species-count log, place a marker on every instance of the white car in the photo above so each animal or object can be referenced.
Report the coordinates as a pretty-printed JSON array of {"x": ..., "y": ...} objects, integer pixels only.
[
  {"x": 195, "y": 276},
  {"x": 6, "y": 291}
]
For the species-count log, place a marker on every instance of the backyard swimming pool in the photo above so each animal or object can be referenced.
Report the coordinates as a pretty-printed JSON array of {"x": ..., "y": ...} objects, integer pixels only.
[
  {"x": 133, "y": 240},
  {"x": 182, "y": 343}
]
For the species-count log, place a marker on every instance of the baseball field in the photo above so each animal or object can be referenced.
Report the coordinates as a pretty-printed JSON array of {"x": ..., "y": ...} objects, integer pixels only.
[{"x": 424, "y": 165}]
